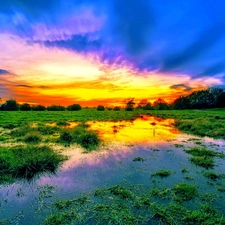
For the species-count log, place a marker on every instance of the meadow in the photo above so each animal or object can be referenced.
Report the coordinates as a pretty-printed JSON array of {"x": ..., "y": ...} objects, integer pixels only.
[{"x": 73, "y": 175}]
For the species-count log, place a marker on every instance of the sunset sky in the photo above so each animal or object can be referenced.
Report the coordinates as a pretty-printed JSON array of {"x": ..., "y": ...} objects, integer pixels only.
[{"x": 102, "y": 51}]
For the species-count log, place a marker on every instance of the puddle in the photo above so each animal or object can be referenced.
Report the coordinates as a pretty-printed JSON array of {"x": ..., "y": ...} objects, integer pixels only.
[
  {"x": 146, "y": 129},
  {"x": 156, "y": 141}
]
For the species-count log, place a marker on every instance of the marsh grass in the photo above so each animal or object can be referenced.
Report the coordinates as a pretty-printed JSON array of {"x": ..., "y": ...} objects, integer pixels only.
[
  {"x": 185, "y": 192},
  {"x": 109, "y": 206},
  {"x": 162, "y": 173},
  {"x": 138, "y": 159},
  {"x": 203, "y": 157},
  {"x": 32, "y": 137},
  {"x": 27, "y": 162}
]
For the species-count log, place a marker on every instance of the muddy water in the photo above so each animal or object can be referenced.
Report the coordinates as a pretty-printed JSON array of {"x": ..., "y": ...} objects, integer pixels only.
[{"x": 155, "y": 140}]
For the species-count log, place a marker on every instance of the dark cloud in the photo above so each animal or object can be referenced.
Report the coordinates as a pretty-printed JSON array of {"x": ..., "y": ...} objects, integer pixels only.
[
  {"x": 197, "y": 48},
  {"x": 183, "y": 86},
  {"x": 134, "y": 19},
  {"x": 24, "y": 85},
  {"x": 4, "y": 72},
  {"x": 78, "y": 43},
  {"x": 211, "y": 70}
]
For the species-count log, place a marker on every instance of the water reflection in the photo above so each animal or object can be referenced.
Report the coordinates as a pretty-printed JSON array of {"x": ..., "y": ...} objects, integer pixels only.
[
  {"x": 150, "y": 138},
  {"x": 141, "y": 130}
]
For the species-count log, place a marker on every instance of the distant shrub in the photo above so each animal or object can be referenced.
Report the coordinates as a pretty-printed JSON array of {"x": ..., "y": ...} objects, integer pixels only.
[
  {"x": 25, "y": 107},
  {"x": 100, "y": 108},
  {"x": 38, "y": 108},
  {"x": 109, "y": 108},
  {"x": 74, "y": 107},
  {"x": 116, "y": 108},
  {"x": 56, "y": 108}
]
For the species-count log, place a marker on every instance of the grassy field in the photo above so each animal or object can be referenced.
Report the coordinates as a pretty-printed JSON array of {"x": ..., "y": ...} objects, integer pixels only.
[
  {"x": 198, "y": 122},
  {"x": 209, "y": 123}
]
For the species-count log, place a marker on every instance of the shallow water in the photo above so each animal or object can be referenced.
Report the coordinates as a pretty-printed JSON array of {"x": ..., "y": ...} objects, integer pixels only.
[{"x": 155, "y": 140}]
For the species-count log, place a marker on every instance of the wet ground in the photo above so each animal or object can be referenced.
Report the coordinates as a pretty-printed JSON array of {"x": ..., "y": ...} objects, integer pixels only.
[{"x": 155, "y": 142}]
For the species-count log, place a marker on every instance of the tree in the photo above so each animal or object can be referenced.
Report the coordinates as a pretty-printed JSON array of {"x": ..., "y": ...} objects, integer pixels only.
[
  {"x": 221, "y": 100},
  {"x": 74, "y": 107},
  {"x": 129, "y": 104},
  {"x": 11, "y": 105},
  {"x": 38, "y": 108},
  {"x": 100, "y": 108},
  {"x": 25, "y": 107},
  {"x": 56, "y": 108},
  {"x": 160, "y": 104},
  {"x": 116, "y": 108},
  {"x": 143, "y": 103}
]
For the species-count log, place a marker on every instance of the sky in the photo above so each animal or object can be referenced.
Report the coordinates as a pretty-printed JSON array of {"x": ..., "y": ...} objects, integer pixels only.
[{"x": 104, "y": 51}]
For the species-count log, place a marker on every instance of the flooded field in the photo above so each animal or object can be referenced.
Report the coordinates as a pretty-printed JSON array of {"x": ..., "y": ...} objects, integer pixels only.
[{"x": 147, "y": 155}]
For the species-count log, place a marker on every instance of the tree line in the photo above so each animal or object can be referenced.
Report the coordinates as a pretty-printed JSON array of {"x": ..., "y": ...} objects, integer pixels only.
[{"x": 203, "y": 99}]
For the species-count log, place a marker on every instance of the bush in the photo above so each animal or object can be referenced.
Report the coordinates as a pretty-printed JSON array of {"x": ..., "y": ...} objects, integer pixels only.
[
  {"x": 74, "y": 107},
  {"x": 100, "y": 108}
]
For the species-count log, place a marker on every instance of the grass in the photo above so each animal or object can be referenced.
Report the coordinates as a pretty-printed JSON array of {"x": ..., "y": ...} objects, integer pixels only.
[
  {"x": 185, "y": 191},
  {"x": 33, "y": 137},
  {"x": 26, "y": 162},
  {"x": 109, "y": 206},
  {"x": 203, "y": 157},
  {"x": 197, "y": 122},
  {"x": 162, "y": 173},
  {"x": 138, "y": 159}
]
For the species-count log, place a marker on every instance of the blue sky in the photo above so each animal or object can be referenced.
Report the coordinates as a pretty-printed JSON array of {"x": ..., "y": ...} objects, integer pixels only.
[{"x": 169, "y": 38}]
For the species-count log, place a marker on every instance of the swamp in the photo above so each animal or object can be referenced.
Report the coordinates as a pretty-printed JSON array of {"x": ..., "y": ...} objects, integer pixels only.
[{"x": 112, "y": 167}]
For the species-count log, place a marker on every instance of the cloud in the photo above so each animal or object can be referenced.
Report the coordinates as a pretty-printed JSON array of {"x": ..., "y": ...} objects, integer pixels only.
[
  {"x": 211, "y": 70},
  {"x": 204, "y": 42},
  {"x": 4, "y": 72},
  {"x": 184, "y": 87},
  {"x": 77, "y": 43}
]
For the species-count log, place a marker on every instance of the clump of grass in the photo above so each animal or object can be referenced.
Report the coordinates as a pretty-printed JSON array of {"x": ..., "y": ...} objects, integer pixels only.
[
  {"x": 206, "y": 162},
  {"x": 204, "y": 152},
  {"x": 138, "y": 159},
  {"x": 183, "y": 170},
  {"x": 66, "y": 137},
  {"x": 185, "y": 191},
  {"x": 121, "y": 192},
  {"x": 32, "y": 137},
  {"x": 203, "y": 157},
  {"x": 63, "y": 218},
  {"x": 86, "y": 138},
  {"x": 213, "y": 176},
  {"x": 26, "y": 162},
  {"x": 204, "y": 216},
  {"x": 162, "y": 173}
]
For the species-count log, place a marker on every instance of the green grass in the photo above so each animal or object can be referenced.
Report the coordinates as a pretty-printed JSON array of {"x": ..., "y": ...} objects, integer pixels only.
[
  {"x": 185, "y": 191},
  {"x": 162, "y": 173},
  {"x": 119, "y": 205},
  {"x": 197, "y": 122},
  {"x": 17, "y": 118},
  {"x": 26, "y": 162},
  {"x": 203, "y": 157}
]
